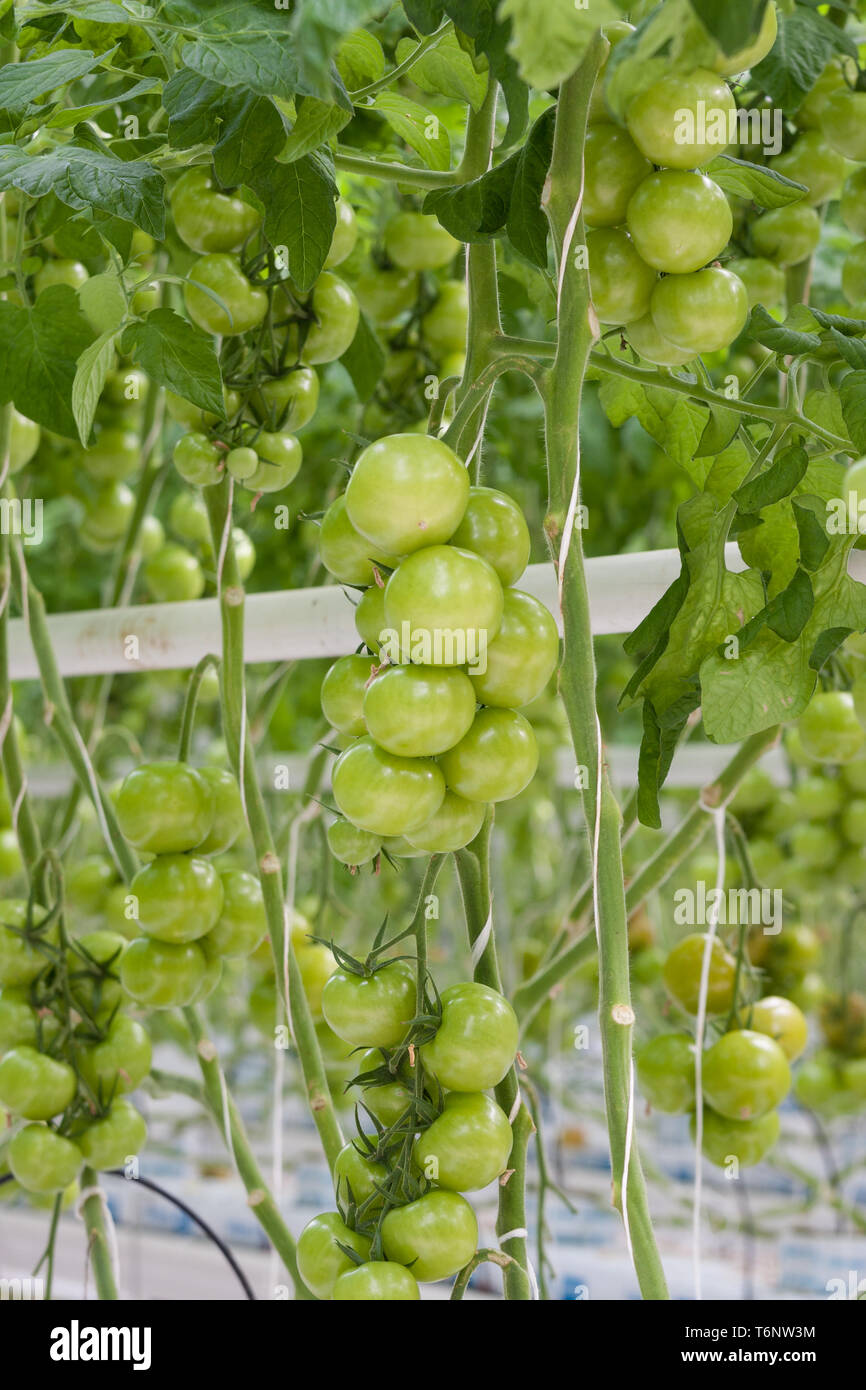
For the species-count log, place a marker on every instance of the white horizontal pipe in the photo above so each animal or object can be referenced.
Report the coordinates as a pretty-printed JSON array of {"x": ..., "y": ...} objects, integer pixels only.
[{"x": 303, "y": 623}]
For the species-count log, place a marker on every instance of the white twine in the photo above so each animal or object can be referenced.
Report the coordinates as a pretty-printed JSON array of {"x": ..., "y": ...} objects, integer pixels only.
[
  {"x": 479, "y": 945},
  {"x": 110, "y": 1233}
]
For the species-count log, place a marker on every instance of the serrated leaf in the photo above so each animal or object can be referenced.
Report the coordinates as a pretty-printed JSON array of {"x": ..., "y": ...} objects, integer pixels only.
[
  {"x": 852, "y": 349},
  {"x": 790, "y": 342},
  {"x": 756, "y": 182},
  {"x": 812, "y": 536},
  {"x": 177, "y": 355},
  {"x": 526, "y": 224},
  {"x": 477, "y": 210},
  {"x": 419, "y": 128},
  {"x": 317, "y": 26},
  {"x": 103, "y": 301},
  {"x": 23, "y": 83},
  {"x": 776, "y": 482},
  {"x": 262, "y": 63},
  {"x": 491, "y": 35},
  {"x": 65, "y": 116},
  {"x": 825, "y": 408},
  {"x": 300, "y": 213},
  {"x": 364, "y": 359},
  {"x": 548, "y": 41},
  {"x": 805, "y": 43},
  {"x": 84, "y": 178},
  {"x": 360, "y": 59},
  {"x": 251, "y": 135},
  {"x": 446, "y": 70},
  {"x": 193, "y": 104},
  {"x": 40, "y": 345},
  {"x": 727, "y": 470},
  {"x": 852, "y": 394},
  {"x": 852, "y": 328},
  {"x": 316, "y": 124},
  {"x": 94, "y": 364}
]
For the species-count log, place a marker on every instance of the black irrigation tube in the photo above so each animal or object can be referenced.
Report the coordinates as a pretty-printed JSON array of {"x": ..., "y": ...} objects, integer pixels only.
[{"x": 188, "y": 1211}]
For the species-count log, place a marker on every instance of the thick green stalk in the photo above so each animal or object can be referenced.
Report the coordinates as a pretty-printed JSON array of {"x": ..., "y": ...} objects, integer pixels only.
[
  {"x": 93, "y": 1211},
  {"x": 224, "y": 1110},
  {"x": 236, "y": 730},
  {"x": 407, "y": 174},
  {"x": 561, "y": 391}
]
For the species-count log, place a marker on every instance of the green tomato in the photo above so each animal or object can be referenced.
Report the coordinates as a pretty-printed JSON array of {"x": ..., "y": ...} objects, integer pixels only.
[
  {"x": 108, "y": 516},
  {"x": 151, "y": 537},
  {"x": 280, "y": 458},
  {"x": 63, "y": 272},
  {"x": 416, "y": 242},
  {"x": 854, "y": 820},
  {"x": 786, "y": 235},
  {"x": 748, "y": 1141},
  {"x": 180, "y": 897},
  {"x": 443, "y": 606},
  {"x": 345, "y": 234},
  {"x": 648, "y": 342},
  {"x": 162, "y": 975},
  {"x": 352, "y": 846},
  {"x": 494, "y": 527},
  {"x": 445, "y": 325},
  {"x": 813, "y": 162},
  {"x": 125, "y": 388},
  {"x": 751, "y": 54},
  {"x": 213, "y": 971},
  {"x": 416, "y": 711},
  {"x": 165, "y": 808},
  {"x": 320, "y": 1259},
  {"x": 346, "y": 554},
  {"x": 242, "y": 463},
  {"x": 843, "y": 123},
  {"x": 241, "y": 305},
  {"x": 335, "y": 314},
  {"x": 228, "y": 822},
  {"x": 287, "y": 402},
  {"x": 343, "y": 695},
  {"x": 389, "y": 1100},
  {"x": 197, "y": 460},
  {"x": 35, "y": 1085},
  {"x": 522, "y": 656},
  {"x": 92, "y": 965},
  {"x": 682, "y": 120},
  {"x": 467, "y": 1146},
  {"x": 614, "y": 32},
  {"x": 810, "y": 112},
  {"x": 852, "y": 203},
  {"x": 115, "y": 455},
  {"x": 371, "y": 1010},
  {"x": 702, "y": 312},
  {"x": 843, "y": 1023},
  {"x": 621, "y": 283},
  {"x": 43, "y": 1161},
  {"x": 682, "y": 974},
  {"x": 780, "y": 1020},
  {"x": 385, "y": 794},
  {"x": 678, "y": 221},
  {"x": 830, "y": 731},
  {"x": 475, "y": 1043},
  {"x": 436, "y": 1235},
  {"x": 745, "y": 1074},
  {"x": 386, "y": 294},
  {"x": 11, "y": 862},
  {"x": 208, "y": 220},
  {"x": 613, "y": 169},
  {"x": 854, "y": 274},
  {"x": 121, "y": 1061},
  {"x": 814, "y": 846},
  {"x": 118, "y": 1136},
  {"x": 357, "y": 1180},
  {"x": 316, "y": 965},
  {"x": 173, "y": 575},
  {"x": 185, "y": 413},
  {"x": 188, "y": 518},
  {"x": 666, "y": 1071},
  {"x": 22, "y": 958},
  {"x": 242, "y": 923},
  {"x": 454, "y": 825},
  {"x": 378, "y": 1281},
  {"x": 17, "y": 1019},
  {"x": 24, "y": 436},
  {"x": 370, "y": 617},
  {"x": 407, "y": 491},
  {"x": 495, "y": 761},
  {"x": 820, "y": 1084},
  {"x": 817, "y": 798},
  {"x": 764, "y": 281}
]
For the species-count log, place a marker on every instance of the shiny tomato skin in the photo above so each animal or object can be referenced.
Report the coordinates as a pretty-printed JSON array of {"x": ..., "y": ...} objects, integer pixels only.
[
  {"x": 60, "y": 272},
  {"x": 748, "y": 1141},
  {"x": 346, "y": 554},
  {"x": 446, "y": 324},
  {"x": 745, "y": 1074},
  {"x": 682, "y": 974},
  {"x": 386, "y": 294},
  {"x": 120, "y": 1061},
  {"x": 343, "y": 692},
  {"x": 357, "y": 1179},
  {"x": 389, "y": 1101},
  {"x": 173, "y": 575},
  {"x": 655, "y": 118},
  {"x": 407, "y": 491},
  {"x": 42, "y": 1160},
  {"x": 613, "y": 169},
  {"x": 764, "y": 281},
  {"x": 287, "y": 402},
  {"x": 780, "y": 1020},
  {"x": 621, "y": 283},
  {"x": 345, "y": 234},
  {"x": 385, "y": 794},
  {"x": 242, "y": 923},
  {"x": 476, "y": 1041},
  {"x": 161, "y": 974},
  {"x": 21, "y": 959},
  {"x": 280, "y": 457},
  {"x": 207, "y": 219},
  {"x": 786, "y": 235},
  {"x": 228, "y": 822},
  {"x": 24, "y": 436},
  {"x": 442, "y": 605},
  {"x": 35, "y": 1085},
  {"x": 467, "y": 1146},
  {"x": 378, "y": 1281},
  {"x": 93, "y": 991},
  {"x": 373, "y": 1010},
  {"x": 320, "y": 1259},
  {"x": 17, "y": 1019},
  {"x": 370, "y": 616},
  {"x": 335, "y": 314},
  {"x": 351, "y": 846},
  {"x": 813, "y": 162},
  {"x": 418, "y": 711},
  {"x": 679, "y": 221},
  {"x": 108, "y": 1142},
  {"x": 454, "y": 825},
  {"x": 829, "y": 728},
  {"x": 522, "y": 656},
  {"x": 496, "y": 760},
  {"x": 852, "y": 203},
  {"x": 436, "y": 1235},
  {"x": 666, "y": 1071},
  {"x": 165, "y": 808},
  {"x": 197, "y": 461},
  {"x": 180, "y": 897},
  {"x": 414, "y": 241},
  {"x": 648, "y": 342},
  {"x": 494, "y": 527},
  {"x": 242, "y": 305},
  {"x": 702, "y": 312},
  {"x": 114, "y": 456},
  {"x": 843, "y": 124}
]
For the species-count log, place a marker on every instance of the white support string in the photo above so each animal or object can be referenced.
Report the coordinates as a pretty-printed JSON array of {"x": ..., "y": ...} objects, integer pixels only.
[{"x": 482, "y": 940}]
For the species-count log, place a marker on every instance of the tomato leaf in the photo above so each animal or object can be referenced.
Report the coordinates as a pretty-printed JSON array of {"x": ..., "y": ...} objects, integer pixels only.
[
  {"x": 259, "y": 60},
  {"x": 317, "y": 123},
  {"x": 419, "y": 128},
  {"x": 806, "y": 42},
  {"x": 177, "y": 355},
  {"x": 84, "y": 178},
  {"x": 360, "y": 59},
  {"x": 776, "y": 482},
  {"x": 194, "y": 105},
  {"x": 733, "y": 24},
  {"x": 91, "y": 374},
  {"x": 477, "y": 210},
  {"x": 779, "y": 337},
  {"x": 446, "y": 70},
  {"x": 761, "y": 185},
  {"x": 852, "y": 393},
  {"x": 527, "y": 225},
  {"x": 40, "y": 345},
  {"x": 424, "y": 15},
  {"x": 251, "y": 134},
  {"x": 548, "y": 41},
  {"x": 300, "y": 212},
  {"x": 23, "y": 83},
  {"x": 813, "y": 538},
  {"x": 479, "y": 21},
  {"x": 364, "y": 359},
  {"x": 852, "y": 349},
  {"x": 317, "y": 26}
]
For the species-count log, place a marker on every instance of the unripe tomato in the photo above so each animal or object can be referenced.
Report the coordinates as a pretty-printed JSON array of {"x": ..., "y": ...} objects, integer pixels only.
[
  {"x": 43, "y": 1161},
  {"x": 764, "y": 281},
  {"x": 110, "y": 1141},
  {"x": 280, "y": 458},
  {"x": 682, "y": 974},
  {"x": 614, "y": 32},
  {"x": 843, "y": 1023},
  {"x": 370, "y": 616},
  {"x": 786, "y": 235},
  {"x": 522, "y": 656},
  {"x": 335, "y": 312},
  {"x": 830, "y": 731},
  {"x": 125, "y": 388},
  {"x": 780, "y": 1020},
  {"x": 613, "y": 169},
  {"x": 121, "y": 1061},
  {"x": 316, "y": 964},
  {"x": 287, "y": 402},
  {"x": 173, "y": 575},
  {"x": 445, "y": 325},
  {"x": 208, "y": 220},
  {"x": 702, "y": 312},
  {"x": 666, "y": 1071},
  {"x": 357, "y": 1179},
  {"x": 664, "y": 119},
  {"x": 452, "y": 602},
  {"x": 185, "y": 413},
  {"x": 346, "y": 554},
  {"x": 748, "y": 1141},
  {"x": 620, "y": 282},
  {"x": 95, "y": 992},
  {"x": 377, "y": 1281},
  {"x": 343, "y": 695},
  {"x": 213, "y": 970},
  {"x": 108, "y": 516},
  {"x": 242, "y": 463},
  {"x": 751, "y": 55},
  {"x": 386, "y": 294},
  {"x": 180, "y": 897},
  {"x": 197, "y": 460},
  {"x": 242, "y": 923},
  {"x": 24, "y": 436},
  {"x": 17, "y": 1019},
  {"x": 242, "y": 305},
  {"x": 475, "y": 1043},
  {"x": 417, "y": 711},
  {"x": 62, "y": 272},
  {"x": 745, "y": 1074},
  {"x": 352, "y": 846},
  {"x": 21, "y": 957},
  {"x": 426, "y": 487},
  {"x": 648, "y": 342},
  {"x": 388, "y": 1102},
  {"x": 11, "y": 862},
  {"x": 416, "y": 242},
  {"x": 188, "y": 518},
  {"x": 494, "y": 527},
  {"x": 495, "y": 761},
  {"x": 371, "y": 1010},
  {"x": 345, "y": 234},
  {"x": 820, "y": 1085},
  {"x": 385, "y": 794},
  {"x": 678, "y": 221},
  {"x": 454, "y": 825},
  {"x": 843, "y": 123},
  {"x": 115, "y": 455},
  {"x": 162, "y": 975},
  {"x": 165, "y": 808},
  {"x": 814, "y": 846},
  {"x": 35, "y": 1085},
  {"x": 228, "y": 822},
  {"x": 852, "y": 204},
  {"x": 811, "y": 161},
  {"x": 320, "y": 1259},
  {"x": 467, "y": 1146},
  {"x": 436, "y": 1235},
  {"x": 811, "y": 109},
  {"x": 854, "y": 274}
]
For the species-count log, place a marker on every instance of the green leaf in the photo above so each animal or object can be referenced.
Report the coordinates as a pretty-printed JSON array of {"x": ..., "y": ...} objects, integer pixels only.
[
  {"x": 852, "y": 328},
  {"x": 360, "y": 59},
  {"x": 825, "y": 408},
  {"x": 446, "y": 70},
  {"x": 300, "y": 213},
  {"x": 727, "y": 470},
  {"x": 852, "y": 349},
  {"x": 479, "y": 21},
  {"x": 548, "y": 41},
  {"x": 103, "y": 301},
  {"x": 65, "y": 116},
  {"x": 194, "y": 105},
  {"x": 733, "y": 24},
  {"x": 317, "y": 123},
  {"x": 776, "y": 482},
  {"x": 262, "y": 62},
  {"x": 364, "y": 359},
  {"x": 421, "y": 130},
  {"x": 526, "y": 224},
  {"x": 40, "y": 345},
  {"x": 317, "y": 26},
  {"x": 806, "y": 42},
  {"x": 788, "y": 612},
  {"x": 718, "y": 432},
  {"x": 477, "y": 210},
  {"x": 177, "y": 355},
  {"x": 424, "y": 15},
  {"x": 812, "y": 536},
  {"x": 780, "y": 338},
  {"x": 84, "y": 178},
  {"x": 91, "y": 374},
  {"x": 251, "y": 135},
  {"x": 852, "y": 393},
  {"x": 756, "y": 182},
  {"x": 23, "y": 83}
]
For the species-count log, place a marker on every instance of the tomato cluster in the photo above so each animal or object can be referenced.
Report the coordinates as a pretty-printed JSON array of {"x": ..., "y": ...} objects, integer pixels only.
[{"x": 446, "y": 633}]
